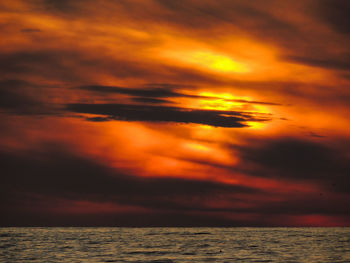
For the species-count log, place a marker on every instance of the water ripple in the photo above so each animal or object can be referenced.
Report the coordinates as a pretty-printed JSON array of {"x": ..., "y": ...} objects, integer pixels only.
[{"x": 174, "y": 245}]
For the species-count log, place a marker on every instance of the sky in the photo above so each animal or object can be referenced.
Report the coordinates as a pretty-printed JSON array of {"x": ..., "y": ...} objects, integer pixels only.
[{"x": 175, "y": 113}]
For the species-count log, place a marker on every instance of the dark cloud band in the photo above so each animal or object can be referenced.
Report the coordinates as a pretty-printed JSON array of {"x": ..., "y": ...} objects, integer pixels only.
[{"x": 129, "y": 112}]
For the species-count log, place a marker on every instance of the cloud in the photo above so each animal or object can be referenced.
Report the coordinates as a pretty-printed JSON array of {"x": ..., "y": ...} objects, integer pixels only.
[
  {"x": 251, "y": 18},
  {"x": 70, "y": 65},
  {"x": 49, "y": 64},
  {"x": 16, "y": 98},
  {"x": 58, "y": 174},
  {"x": 151, "y": 93},
  {"x": 320, "y": 203},
  {"x": 99, "y": 119},
  {"x": 60, "y": 178},
  {"x": 154, "y": 92},
  {"x": 11, "y": 95},
  {"x": 299, "y": 160},
  {"x": 129, "y": 112},
  {"x": 335, "y": 14},
  {"x": 151, "y": 100},
  {"x": 109, "y": 62},
  {"x": 327, "y": 63}
]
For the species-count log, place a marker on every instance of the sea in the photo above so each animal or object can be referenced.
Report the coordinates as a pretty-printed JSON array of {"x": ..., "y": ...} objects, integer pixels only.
[{"x": 168, "y": 245}]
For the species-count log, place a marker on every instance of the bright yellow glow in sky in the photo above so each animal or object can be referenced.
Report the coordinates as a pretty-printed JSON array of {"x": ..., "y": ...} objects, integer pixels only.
[
  {"x": 228, "y": 102},
  {"x": 256, "y": 125},
  {"x": 197, "y": 147},
  {"x": 224, "y": 101},
  {"x": 217, "y": 62},
  {"x": 208, "y": 60}
]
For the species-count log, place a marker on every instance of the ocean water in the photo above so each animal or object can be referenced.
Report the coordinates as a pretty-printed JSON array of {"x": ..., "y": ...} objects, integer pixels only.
[{"x": 174, "y": 245}]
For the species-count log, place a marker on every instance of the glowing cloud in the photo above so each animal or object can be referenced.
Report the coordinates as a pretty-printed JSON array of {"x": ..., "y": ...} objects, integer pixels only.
[
  {"x": 174, "y": 113},
  {"x": 217, "y": 62},
  {"x": 208, "y": 60}
]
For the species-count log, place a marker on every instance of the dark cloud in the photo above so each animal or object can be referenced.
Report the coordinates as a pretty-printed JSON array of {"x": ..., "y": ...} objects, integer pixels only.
[
  {"x": 11, "y": 95},
  {"x": 16, "y": 97},
  {"x": 20, "y": 97},
  {"x": 335, "y": 13},
  {"x": 57, "y": 174},
  {"x": 125, "y": 219},
  {"x": 345, "y": 76},
  {"x": 168, "y": 86},
  {"x": 155, "y": 92},
  {"x": 47, "y": 64},
  {"x": 99, "y": 119},
  {"x": 70, "y": 66},
  {"x": 128, "y": 112},
  {"x": 151, "y": 100},
  {"x": 318, "y": 203},
  {"x": 299, "y": 160},
  {"x": 327, "y": 63},
  {"x": 209, "y": 14},
  {"x": 151, "y": 93},
  {"x": 60, "y": 172}
]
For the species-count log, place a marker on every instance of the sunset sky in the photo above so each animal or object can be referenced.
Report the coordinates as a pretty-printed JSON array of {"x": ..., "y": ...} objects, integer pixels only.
[{"x": 175, "y": 113}]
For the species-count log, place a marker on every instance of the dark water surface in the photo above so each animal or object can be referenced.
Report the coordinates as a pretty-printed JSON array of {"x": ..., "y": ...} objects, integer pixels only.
[{"x": 174, "y": 245}]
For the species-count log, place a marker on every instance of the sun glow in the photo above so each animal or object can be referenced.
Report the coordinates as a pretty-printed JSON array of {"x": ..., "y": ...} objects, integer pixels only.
[
  {"x": 197, "y": 147},
  {"x": 256, "y": 125},
  {"x": 209, "y": 60},
  {"x": 229, "y": 102},
  {"x": 217, "y": 62},
  {"x": 225, "y": 101}
]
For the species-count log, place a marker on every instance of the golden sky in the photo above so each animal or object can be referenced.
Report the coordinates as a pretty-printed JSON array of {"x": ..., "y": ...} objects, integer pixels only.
[{"x": 175, "y": 113}]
